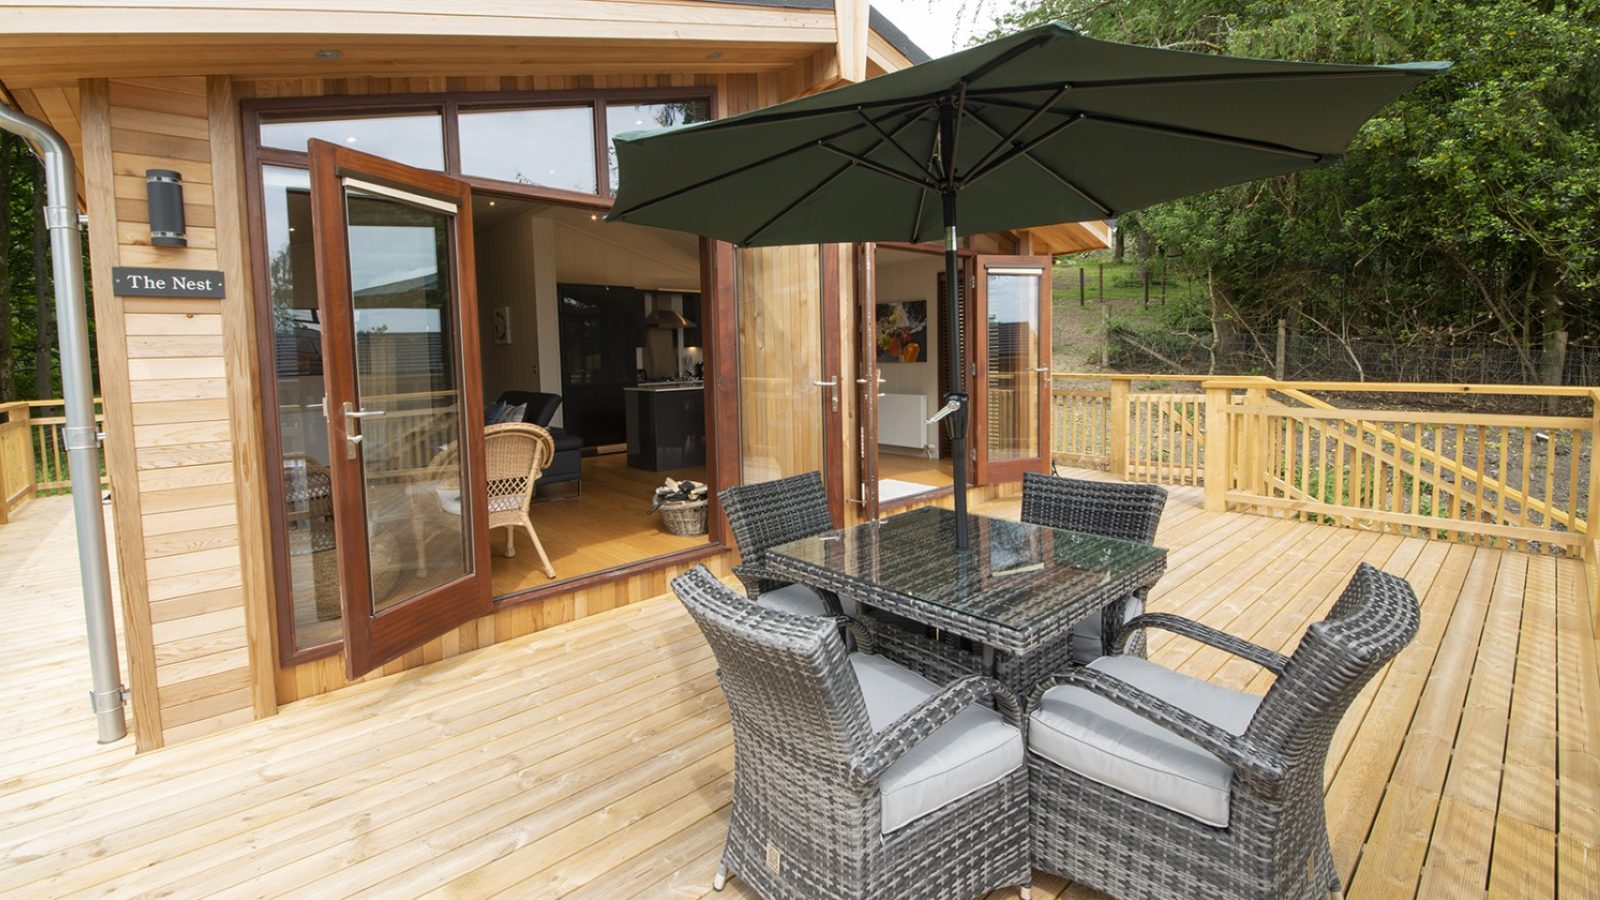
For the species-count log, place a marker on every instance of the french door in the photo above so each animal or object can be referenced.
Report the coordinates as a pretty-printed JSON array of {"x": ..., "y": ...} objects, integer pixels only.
[
  {"x": 404, "y": 405},
  {"x": 1010, "y": 362}
]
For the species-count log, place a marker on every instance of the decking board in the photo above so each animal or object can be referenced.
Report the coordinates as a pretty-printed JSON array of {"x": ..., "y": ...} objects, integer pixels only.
[{"x": 1471, "y": 765}]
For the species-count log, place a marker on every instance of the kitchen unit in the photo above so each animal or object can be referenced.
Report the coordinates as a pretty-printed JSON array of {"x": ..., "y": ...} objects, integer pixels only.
[{"x": 666, "y": 423}]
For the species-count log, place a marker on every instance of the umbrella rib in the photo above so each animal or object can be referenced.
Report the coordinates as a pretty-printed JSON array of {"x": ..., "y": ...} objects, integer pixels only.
[
  {"x": 1221, "y": 78},
  {"x": 1065, "y": 181},
  {"x": 1018, "y": 149},
  {"x": 889, "y": 139},
  {"x": 880, "y": 168},
  {"x": 1174, "y": 131},
  {"x": 824, "y": 183},
  {"x": 1011, "y": 139},
  {"x": 614, "y": 215},
  {"x": 1005, "y": 58}
]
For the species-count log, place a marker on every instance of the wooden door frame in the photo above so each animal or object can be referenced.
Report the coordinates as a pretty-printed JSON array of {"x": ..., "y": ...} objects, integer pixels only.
[
  {"x": 864, "y": 271},
  {"x": 983, "y": 471},
  {"x": 832, "y": 367},
  {"x": 372, "y": 638}
]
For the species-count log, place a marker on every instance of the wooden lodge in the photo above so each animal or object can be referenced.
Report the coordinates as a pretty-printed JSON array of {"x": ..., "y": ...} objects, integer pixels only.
[{"x": 240, "y": 534}]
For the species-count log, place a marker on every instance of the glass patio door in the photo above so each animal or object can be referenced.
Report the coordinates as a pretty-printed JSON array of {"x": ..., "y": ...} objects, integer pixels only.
[
  {"x": 404, "y": 403},
  {"x": 1010, "y": 429}
]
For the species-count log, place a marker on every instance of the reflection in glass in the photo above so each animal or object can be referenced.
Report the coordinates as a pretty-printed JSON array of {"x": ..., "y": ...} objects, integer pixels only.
[
  {"x": 404, "y": 304},
  {"x": 302, "y": 430},
  {"x": 622, "y": 118},
  {"x": 551, "y": 147},
  {"x": 416, "y": 139},
  {"x": 1012, "y": 384}
]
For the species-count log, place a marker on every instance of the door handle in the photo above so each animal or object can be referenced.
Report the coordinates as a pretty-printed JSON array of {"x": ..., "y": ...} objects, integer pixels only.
[
  {"x": 1041, "y": 368},
  {"x": 832, "y": 384},
  {"x": 352, "y": 424}
]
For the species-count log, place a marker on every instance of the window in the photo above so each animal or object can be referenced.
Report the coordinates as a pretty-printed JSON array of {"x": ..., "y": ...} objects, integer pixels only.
[
  {"x": 622, "y": 118},
  {"x": 551, "y": 147},
  {"x": 416, "y": 139}
]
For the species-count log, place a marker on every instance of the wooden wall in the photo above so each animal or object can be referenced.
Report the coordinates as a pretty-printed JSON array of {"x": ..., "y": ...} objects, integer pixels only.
[{"x": 183, "y": 446}]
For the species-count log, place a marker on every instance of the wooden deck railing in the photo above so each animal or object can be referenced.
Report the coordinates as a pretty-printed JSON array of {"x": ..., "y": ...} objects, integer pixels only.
[
  {"x": 47, "y": 423},
  {"x": 16, "y": 458},
  {"x": 1274, "y": 448}
]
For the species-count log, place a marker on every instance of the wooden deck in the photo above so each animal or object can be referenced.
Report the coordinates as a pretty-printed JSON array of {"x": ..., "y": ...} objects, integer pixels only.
[{"x": 595, "y": 759}]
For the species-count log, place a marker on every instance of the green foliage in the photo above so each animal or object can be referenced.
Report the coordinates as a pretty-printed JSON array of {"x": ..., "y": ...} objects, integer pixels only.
[
  {"x": 1471, "y": 204},
  {"x": 29, "y": 367}
]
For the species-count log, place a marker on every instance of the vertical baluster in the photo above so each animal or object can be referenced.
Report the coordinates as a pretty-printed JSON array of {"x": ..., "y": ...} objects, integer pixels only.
[
  {"x": 1526, "y": 511},
  {"x": 1574, "y": 440},
  {"x": 1460, "y": 434}
]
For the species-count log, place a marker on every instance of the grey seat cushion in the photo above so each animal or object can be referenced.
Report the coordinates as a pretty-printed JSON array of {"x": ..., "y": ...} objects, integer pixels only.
[
  {"x": 971, "y": 751},
  {"x": 1086, "y": 640},
  {"x": 795, "y": 599},
  {"x": 1090, "y": 735}
]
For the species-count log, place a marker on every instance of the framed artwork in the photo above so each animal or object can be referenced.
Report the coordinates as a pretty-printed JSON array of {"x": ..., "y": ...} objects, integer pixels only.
[
  {"x": 502, "y": 324},
  {"x": 902, "y": 331}
]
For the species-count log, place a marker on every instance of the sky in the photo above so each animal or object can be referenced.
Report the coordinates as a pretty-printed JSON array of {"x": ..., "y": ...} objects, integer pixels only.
[{"x": 941, "y": 26}]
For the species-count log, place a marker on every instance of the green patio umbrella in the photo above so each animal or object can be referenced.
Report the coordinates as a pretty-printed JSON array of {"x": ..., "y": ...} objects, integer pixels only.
[{"x": 1042, "y": 127}]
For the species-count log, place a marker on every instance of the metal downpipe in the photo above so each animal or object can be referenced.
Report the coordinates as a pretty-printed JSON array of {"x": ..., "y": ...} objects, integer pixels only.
[{"x": 82, "y": 435}]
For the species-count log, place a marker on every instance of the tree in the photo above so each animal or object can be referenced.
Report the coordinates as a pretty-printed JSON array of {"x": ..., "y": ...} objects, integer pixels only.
[
  {"x": 29, "y": 367},
  {"x": 1469, "y": 206}
]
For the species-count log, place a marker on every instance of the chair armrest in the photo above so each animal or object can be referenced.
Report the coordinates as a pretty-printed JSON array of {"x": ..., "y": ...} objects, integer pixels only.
[
  {"x": 1268, "y": 659},
  {"x": 1243, "y": 755},
  {"x": 910, "y": 729}
]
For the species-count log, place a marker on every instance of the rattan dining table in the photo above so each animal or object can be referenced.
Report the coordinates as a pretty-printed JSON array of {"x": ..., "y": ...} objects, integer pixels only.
[{"x": 1018, "y": 589}]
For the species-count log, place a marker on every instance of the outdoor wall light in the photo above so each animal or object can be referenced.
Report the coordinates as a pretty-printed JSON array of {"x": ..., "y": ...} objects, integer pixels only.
[{"x": 164, "y": 193}]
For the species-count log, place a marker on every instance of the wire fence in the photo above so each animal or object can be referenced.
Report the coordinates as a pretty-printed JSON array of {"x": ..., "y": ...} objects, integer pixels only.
[{"x": 1324, "y": 358}]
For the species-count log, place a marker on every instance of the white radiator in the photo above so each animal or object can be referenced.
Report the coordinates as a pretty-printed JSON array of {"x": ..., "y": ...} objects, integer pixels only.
[{"x": 903, "y": 420}]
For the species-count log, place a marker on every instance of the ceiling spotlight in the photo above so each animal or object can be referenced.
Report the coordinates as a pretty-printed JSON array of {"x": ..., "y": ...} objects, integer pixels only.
[
  {"x": 350, "y": 140},
  {"x": 491, "y": 202},
  {"x": 327, "y": 54},
  {"x": 594, "y": 217}
]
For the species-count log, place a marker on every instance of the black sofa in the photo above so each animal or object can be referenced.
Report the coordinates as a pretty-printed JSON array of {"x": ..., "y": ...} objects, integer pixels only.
[{"x": 541, "y": 408}]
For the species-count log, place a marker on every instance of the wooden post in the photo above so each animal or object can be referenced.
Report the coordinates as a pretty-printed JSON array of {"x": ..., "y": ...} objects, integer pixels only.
[
  {"x": 1283, "y": 340},
  {"x": 1083, "y": 285},
  {"x": 1163, "y": 281},
  {"x": 1119, "y": 426},
  {"x": 1254, "y": 451},
  {"x": 1147, "y": 286},
  {"x": 1591, "y": 543},
  {"x": 1218, "y": 480},
  {"x": 32, "y": 466},
  {"x": 1105, "y": 335},
  {"x": 1101, "y": 280}
]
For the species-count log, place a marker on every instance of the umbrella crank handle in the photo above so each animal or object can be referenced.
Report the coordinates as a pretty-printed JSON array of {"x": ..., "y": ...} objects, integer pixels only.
[{"x": 954, "y": 409}]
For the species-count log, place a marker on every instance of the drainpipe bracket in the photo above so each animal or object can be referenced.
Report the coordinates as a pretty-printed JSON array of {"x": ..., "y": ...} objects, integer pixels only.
[
  {"x": 81, "y": 438},
  {"x": 108, "y": 701},
  {"x": 61, "y": 217}
]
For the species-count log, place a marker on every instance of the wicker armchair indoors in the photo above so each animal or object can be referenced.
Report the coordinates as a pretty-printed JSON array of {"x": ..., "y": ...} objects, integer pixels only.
[
  {"x": 855, "y": 778},
  {"x": 766, "y": 514},
  {"x": 1147, "y": 783},
  {"x": 515, "y": 455}
]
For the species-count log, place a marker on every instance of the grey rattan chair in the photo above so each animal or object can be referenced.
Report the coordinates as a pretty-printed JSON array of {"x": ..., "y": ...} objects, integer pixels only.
[
  {"x": 766, "y": 514},
  {"x": 1147, "y": 783},
  {"x": 1131, "y": 512},
  {"x": 853, "y": 777}
]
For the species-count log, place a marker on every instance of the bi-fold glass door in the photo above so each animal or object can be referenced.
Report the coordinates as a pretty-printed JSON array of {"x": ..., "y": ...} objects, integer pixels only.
[
  {"x": 403, "y": 400},
  {"x": 1010, "y": 366}
]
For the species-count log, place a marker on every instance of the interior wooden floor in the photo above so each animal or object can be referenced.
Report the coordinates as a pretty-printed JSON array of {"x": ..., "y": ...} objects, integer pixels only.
[
  {"x": 918, "y": 469},
  {"x": 595, "y": 759},
  {"x": 604, "y": 526}
]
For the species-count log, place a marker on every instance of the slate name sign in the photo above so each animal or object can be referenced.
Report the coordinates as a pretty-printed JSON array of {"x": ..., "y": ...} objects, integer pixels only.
[{"x": 127, "y": 281}]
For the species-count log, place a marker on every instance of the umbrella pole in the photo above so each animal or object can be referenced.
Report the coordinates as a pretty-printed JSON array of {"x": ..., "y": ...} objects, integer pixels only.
[{"x": 957, "y": 422}]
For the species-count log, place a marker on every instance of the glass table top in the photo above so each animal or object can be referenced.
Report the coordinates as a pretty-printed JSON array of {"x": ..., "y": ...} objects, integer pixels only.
[{"x": 1014, "y": 576}]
